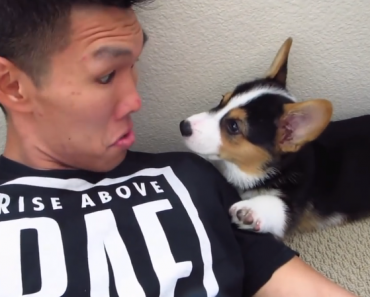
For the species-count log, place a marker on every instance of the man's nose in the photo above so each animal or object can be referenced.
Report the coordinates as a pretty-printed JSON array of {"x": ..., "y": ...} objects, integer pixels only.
[
  {"x": 185, "y": 128},
  {"x": 128, "y": 103},
  {"x": 135, "y": 102},
  {"x": 129, "y": 94}
]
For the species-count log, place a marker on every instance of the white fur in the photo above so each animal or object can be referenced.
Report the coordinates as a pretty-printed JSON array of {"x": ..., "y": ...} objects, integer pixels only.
[
  {"x": 267, "y": 209},
  {"x": 235, "y": 176},
  {"x": 206, "y": 137},
  {"x": 333, "y": 220},
  {"x": 269, "y": 212},
  {"x": 238, "y": 177},
  {"x": 244, "y": 98},
  {"x": 260, "y": 192}
]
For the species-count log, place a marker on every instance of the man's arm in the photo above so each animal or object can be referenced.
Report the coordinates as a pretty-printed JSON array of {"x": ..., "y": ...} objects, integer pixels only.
[
  {"x": 298, "y": 279},
  {"x": 271, "y": 268}
]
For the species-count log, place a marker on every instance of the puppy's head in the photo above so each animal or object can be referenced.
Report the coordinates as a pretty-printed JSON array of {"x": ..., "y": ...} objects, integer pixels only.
[{"x": 256, "y": 123}]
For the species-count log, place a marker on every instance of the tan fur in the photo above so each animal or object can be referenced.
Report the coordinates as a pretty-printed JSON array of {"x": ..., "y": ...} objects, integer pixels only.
[
  {"x": 237, "y": 114},
  {"x": 318, "y": 110},
  {"x": 275, "y": 69},
  {"x": 226, "y": 98},
  {"x": 315, "y": 114},
  {"x": 238, "y": 150},
  {"x": 280, "y": 61},
  {"x": 311, "y": 221},
  {"x": 251, "y": 158}
]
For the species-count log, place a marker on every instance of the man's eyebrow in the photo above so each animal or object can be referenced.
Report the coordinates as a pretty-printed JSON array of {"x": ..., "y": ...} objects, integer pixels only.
[
  {"x": 115, "y": 52},
  {"x": 111, "y": 52}
]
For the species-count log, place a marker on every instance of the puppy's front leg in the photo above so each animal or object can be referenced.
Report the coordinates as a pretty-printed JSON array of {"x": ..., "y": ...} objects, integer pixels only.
[{"x": 264, "y": 213}]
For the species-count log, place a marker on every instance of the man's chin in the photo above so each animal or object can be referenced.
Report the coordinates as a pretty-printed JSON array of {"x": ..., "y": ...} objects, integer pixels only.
[
  {"x": 105, "y": 164},
  {"x": 113, "y": 163}
]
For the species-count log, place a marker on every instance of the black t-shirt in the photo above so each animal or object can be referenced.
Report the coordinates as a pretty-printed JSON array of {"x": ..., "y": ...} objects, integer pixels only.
[{"x": 157, "y": 225}]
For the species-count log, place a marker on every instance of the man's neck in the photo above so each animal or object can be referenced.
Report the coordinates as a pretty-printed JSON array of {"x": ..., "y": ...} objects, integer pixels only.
[{"x": 23, "y": 148}]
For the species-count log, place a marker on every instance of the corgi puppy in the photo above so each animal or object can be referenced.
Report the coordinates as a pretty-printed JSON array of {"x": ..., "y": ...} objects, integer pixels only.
[{"x": 295, "y": 169}]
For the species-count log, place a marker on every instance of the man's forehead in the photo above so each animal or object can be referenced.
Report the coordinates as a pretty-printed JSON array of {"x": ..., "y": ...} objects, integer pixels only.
[
  {"x": 107, "y": 33},
  {"x": 115, "y": 51},
  {"x": 103, "y": 22}
]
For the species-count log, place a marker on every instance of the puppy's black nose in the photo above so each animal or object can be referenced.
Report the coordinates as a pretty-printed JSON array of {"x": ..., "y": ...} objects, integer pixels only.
[{"x": 185, "y": 128}]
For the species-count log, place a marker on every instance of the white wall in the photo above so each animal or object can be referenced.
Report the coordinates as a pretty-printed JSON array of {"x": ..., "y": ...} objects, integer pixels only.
[{"x": 199, "y": 49}]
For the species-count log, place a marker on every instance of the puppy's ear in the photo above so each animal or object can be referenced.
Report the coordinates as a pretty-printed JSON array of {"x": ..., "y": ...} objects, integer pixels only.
[
  {"x": 279, "y": 67},
  {"x": 302, "y": 122},
  {"x": 225, "y": 98}
]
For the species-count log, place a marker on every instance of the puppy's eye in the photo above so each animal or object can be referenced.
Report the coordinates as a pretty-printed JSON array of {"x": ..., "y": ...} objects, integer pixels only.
[{"x": 232, "y": 127}]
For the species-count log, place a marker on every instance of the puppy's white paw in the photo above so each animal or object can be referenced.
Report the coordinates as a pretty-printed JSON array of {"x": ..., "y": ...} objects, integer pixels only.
[{"x": 265, "y": 214}]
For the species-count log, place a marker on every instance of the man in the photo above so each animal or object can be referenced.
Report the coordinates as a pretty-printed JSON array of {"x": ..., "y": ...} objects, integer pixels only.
[{"x": 80, "y": 214}]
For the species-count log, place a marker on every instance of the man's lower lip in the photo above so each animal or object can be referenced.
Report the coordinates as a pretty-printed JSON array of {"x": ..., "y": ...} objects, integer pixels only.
[{"x": 126, "y": 141}]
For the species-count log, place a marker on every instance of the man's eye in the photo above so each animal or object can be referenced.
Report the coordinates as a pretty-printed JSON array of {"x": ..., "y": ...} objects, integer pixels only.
[{"x": 107, "y": 78}]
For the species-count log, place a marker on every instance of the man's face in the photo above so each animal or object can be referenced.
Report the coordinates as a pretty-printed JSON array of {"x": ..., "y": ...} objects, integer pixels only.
[{"x": 82, "y": 113}]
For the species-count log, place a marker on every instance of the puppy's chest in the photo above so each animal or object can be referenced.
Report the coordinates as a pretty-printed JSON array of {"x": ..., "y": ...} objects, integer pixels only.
[
  {"x": 248, "y": 194},
  {"x": 282, "y": 187}
]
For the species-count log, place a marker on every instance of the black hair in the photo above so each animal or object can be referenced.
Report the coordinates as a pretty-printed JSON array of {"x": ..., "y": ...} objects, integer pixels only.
[{"x": 32, "y": 30}]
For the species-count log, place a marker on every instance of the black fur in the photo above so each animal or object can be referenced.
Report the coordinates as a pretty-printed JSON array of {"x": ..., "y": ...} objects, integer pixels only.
[
  {"x": 326, "y": 177},
  {"x": 331, "y": 173}
]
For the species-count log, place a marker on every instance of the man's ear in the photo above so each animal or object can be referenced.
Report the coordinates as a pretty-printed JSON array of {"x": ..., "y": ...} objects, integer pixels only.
[
  {"x": 302, "y": 122},
  {"x": 11, "y": 83},
  {"x": 279, "y": 67}
]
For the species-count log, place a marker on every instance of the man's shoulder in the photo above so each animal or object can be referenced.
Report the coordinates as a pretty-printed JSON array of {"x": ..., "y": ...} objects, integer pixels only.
[
  {"x": 179, "y": 158},
  {"x": 184, "y": 164}
]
